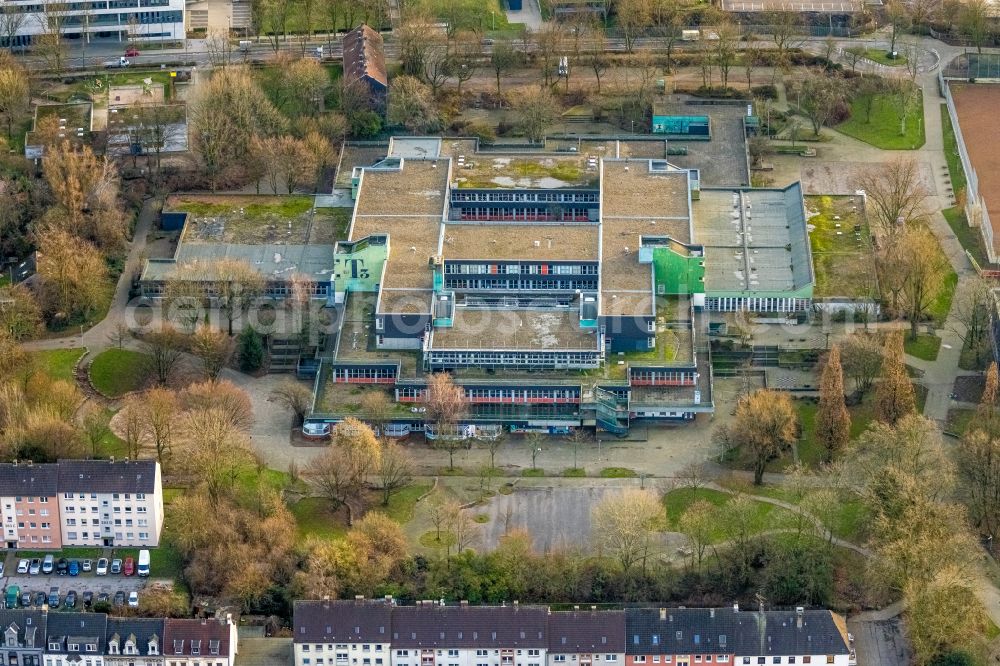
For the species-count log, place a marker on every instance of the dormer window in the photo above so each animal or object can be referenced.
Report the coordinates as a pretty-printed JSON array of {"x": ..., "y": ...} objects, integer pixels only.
[
  {"x": 213, "y": 646},
  {"x": 54, "y": 646},
  {"x": 131, "y": 648},
  {"x": 113, "y": 647},
  {"x": 179, "y": 646},
  {"x": 90, "y": 647},
  {"x": 154, "y": 646},
  {"x": 73, "y": 647},
  {"x": 195, "y": 647}
]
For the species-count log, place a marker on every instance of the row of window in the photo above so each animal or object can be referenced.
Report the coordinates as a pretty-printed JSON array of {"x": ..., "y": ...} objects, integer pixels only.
[
  {"x": 529, "y": 214},
  {"x": 458, "y": 195},
  {"x": 451, "y": 268},
  {"x": 71, "y": 522},
  {"x": 567, "y": 359},
  {"x": 130, "y": 536},
  {"x": 515, "y": 284},
  {"x": 757, "y": 304}
]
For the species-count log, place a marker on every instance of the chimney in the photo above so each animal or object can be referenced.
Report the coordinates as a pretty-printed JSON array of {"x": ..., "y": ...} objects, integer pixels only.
[
  {"x": 388, "y": 598},
  {"x": 326, "y": 602},
  {"x": 711, "y": 612},
  {"x": 464, "y": 603},
  {"x": 663, "y": 614},
  {"x": 229, "y": 618},
  {"x": 515, "y": 603},
  {"x": 359, "y": 597},
  {"x": 736, "y": 608},
  {"x": 798, "y": 621},
  {"x": 576, "y": 608}
]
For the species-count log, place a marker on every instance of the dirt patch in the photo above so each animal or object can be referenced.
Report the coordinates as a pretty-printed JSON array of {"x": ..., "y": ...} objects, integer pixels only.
[{"x": 969, "y": 388}]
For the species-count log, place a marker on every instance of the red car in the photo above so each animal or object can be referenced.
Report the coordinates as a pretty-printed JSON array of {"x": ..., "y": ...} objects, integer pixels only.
[
  {"x": 129, "y": 567},
  {"x": 131, "y": 53}
]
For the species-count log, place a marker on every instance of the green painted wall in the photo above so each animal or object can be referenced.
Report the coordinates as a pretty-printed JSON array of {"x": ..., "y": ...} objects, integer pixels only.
[
  {"x": 679, "y": 272},
  {"x": 361, "y": 268}
]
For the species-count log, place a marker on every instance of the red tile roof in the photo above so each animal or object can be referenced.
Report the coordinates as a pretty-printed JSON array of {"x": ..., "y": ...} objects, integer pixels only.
[
  {"x": 182, "y": 637},
  {"x": 364, "y": 55}
]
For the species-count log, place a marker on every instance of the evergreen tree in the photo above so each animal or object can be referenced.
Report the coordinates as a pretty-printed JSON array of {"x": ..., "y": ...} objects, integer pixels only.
[
  {"x": 833, "y": 422},
  {"x": 894, "y": 397},
  {"x": 251, "y": 350}
]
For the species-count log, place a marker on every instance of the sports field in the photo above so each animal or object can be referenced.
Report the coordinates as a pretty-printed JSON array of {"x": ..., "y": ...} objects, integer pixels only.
[{"x": 977, "y": 106}]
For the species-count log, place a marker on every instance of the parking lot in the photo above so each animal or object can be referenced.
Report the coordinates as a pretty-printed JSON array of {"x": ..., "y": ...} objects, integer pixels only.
[
  {"x": 85, "y": 581},
  {"x": 880, "y": 643}
]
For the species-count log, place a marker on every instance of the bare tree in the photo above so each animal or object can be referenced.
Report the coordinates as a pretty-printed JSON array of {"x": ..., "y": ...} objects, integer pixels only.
[
  {"x": 212, "y": 347},
  {"x": 295, "y": 396},
  {"x": 894, "y": 193},
  {"x": 503, "y": 59},
  {"x": 340, "y": 473},
  {"x": 699, "y": 522},
  {"x": 161, "y": 411},
  {"x": 923, "y": 266},
  {"x": 446, "y": 406},
  {"x": 14, "y": 91},
  {"x": 862, "y": 360},
  {"x": 624, "y": 522},
  {"x": 394, "y": 470},
  {"x": 165, "y": 349},
  {"x": 970, "y": 314},
  {"x": 894, "y": 398},
  {"x": 765, "y": 425}
]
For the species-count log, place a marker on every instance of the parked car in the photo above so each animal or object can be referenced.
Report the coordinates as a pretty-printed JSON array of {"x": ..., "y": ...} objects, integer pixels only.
[
  {"x": 103, "y": 597},
  {"x": 71, "y": 599},
  {"x": 116, "y": 566},
  {"x": 62, "y": 566},
  {"x": 119, "y": 598},
  {"x": 121, "y": 63},
  {"x": 128, "y": 567},
  {"x": 102, "y": 566},
  {"x": 26, "y": 599},
  {"x": 143, "y": 567},
  {"x": 11, "y": 596},
  {"x": 133, "y": 599},
  {"x": 87, "y": 565},
  {"x": 35, "y": 567},
  {"x": 74, "y": 568},
  {"x": 88, "y": 599},
  {"x": 39, "y": 599},
  {"x": 53, "y": 597},
  {"x": 22, "y": 565},
  {"x": 131, "y": 52},
  {"x": 48, "y": 564}
]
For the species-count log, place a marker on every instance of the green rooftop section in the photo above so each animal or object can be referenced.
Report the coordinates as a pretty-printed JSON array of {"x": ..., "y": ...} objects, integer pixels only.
[
  {"x": 252, "y": 219},
  {"x": 349, "y": 399},
  {"x": 843, "y": 257},
  {"x": 483, "y": 171},
  {"x": 678, "y": 270}
]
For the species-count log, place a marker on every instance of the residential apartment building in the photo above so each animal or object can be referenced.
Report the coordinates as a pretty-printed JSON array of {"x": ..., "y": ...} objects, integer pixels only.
[
  {"x": 96, "y": 22},
  {"x": 205, "y": 642},
  {"x": 380, "y": 633},
  {"x": 29, "y": 506},
  {"x": 586, "y": 638},
  {"x": 81, "y": 503},
  {"x": 23, "y": 637},
  {"x": 134, "y": 642},
  {"x": 75, "y": 639},
  {"x": 731, "y": 637},
  {"x": 343, "y": 633}
]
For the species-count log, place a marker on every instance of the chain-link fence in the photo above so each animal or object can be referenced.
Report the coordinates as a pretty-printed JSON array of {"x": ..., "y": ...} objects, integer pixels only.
[{"x": 971, "y": 65}]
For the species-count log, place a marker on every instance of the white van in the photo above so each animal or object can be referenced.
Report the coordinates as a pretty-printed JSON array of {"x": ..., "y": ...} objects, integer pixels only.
[{"x": 143, "y": 565}]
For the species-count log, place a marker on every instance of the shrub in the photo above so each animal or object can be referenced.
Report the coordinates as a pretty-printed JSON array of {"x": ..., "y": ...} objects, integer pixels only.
[
  {"x": 365, "y": 124},
  {"x": 251, "y": 346},
  {"x": 765, "y": 92}
]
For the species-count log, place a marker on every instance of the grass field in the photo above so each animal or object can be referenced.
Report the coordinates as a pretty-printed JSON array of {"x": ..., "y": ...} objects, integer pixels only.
[
  {"x": 617, "y": 473},
  {"x": 881, "y": 56},
  {"x": 884, "y": 129},
  {"x": 245, "y": 218},
  {"x": 58, "y": 363},
  {"x": 841, "y": 246},
  {"x": 402, "y": 504},
  {"x": 313, "y": 517},
  {"x": 955, "y": 169},
  {"x": 942, "y": 304},
  {"x": 959, "y": 420},
  {"x": 765, "y": 517},
  {"x": 925, "y": 347},
  {"x": 812, "y": 452},
  {"x": 115, "y": 372}
]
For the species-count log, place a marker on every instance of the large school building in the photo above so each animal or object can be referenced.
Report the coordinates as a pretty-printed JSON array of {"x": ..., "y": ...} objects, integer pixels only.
[{"x": 560, "y": 290}]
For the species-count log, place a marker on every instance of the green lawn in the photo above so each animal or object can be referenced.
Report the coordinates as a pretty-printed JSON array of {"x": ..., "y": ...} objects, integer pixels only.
[
  {"x": 314, "y": 518},
  {"x": 574, "y": 472},
  {"x": 955, "y": 169},
  {"x": 942, "y": 304},
  {"x": 971, "y": 238},
  {"x": 881, "y": 56},
  {"x": 766, "y": 516},
  {"x": 402, "y": 504},
  {"x": 811, "y": 452},
  {"x": 925, "y": 347},
  {"x": 617, "y": 473},
  {"x": 58, "y": 363},
  {"x": 884, "y": 129},
  {"x": 115, "y": 372},
  {"x": 533, "y": 472},
  {"x": 68, "y": 553},
  {"x": 959, "y": 420},
  {"x": 843, "y": 259},
  {"x": 164, "y": 561}
]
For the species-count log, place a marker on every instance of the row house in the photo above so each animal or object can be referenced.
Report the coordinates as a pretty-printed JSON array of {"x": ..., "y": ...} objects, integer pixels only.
[
  {"x": 23, "y": 637},
  {"x": 134, "y": 642},
  {"x": 586, "y": 638},
  {"x": 430, "y": 634},
  {"x": 43, "y": 638},
  {"x": 95, "y": 503},
  {"x": 75, "y": 639},
  {"x": 204, "y": 642},
  {"x": 380, "y": 633},
  {"x": 731, "y": 637}
]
